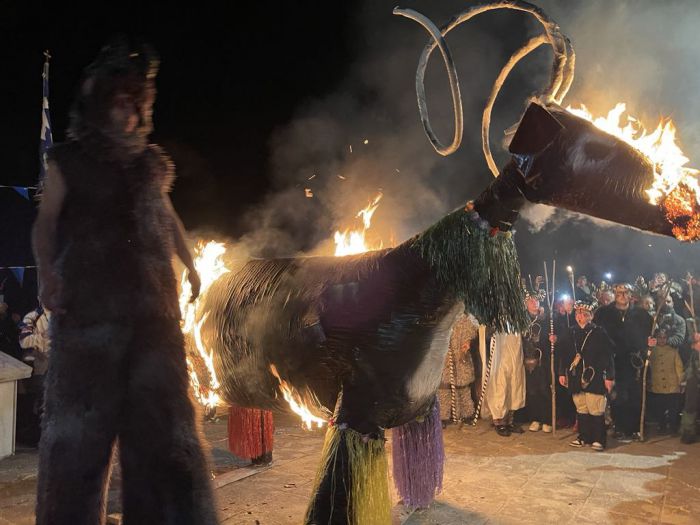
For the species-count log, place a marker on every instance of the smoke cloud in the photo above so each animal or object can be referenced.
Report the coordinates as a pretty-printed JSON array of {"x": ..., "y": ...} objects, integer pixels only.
[{"x": 366, "y": 137}]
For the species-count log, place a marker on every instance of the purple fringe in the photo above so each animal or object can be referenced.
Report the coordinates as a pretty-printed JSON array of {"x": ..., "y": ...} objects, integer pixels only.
[{"x": 418, "y": 456}]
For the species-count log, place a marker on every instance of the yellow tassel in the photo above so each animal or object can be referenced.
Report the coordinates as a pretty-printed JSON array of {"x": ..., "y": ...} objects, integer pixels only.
[
  {"x": 368, "y": 498},
  {"x": 330, "y": 449},
  {"x": 369, "y": 475}
]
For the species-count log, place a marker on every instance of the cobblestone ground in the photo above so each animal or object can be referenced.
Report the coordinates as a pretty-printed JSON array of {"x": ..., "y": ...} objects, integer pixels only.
[{"x": 528, "y": 478}]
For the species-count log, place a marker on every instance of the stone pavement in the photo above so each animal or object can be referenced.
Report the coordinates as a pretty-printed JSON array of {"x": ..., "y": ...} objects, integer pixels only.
[{"x": 528, "y": 478}]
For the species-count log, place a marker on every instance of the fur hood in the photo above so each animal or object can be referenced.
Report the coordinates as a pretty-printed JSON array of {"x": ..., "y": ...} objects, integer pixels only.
[{"x": 122, "y": 66}]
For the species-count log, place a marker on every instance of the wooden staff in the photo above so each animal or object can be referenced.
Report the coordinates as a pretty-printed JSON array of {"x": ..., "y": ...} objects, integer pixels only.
[
  {"x": 550, "y": 305},
  {"x": 646, "y": 363},
  {"x": 570, "y": 269},
  {"x": 690, "y": 306}
]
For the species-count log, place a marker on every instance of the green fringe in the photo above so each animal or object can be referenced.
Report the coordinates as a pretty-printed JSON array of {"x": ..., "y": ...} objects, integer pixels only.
[{"x": 479, "y": 265}]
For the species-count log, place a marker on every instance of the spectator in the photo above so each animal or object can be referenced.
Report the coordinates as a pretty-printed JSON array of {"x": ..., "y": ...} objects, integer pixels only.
[
  {"x": 646, "y": 302},
  {"x": 584, "y": 291},
  {"x": 691, "y": 378},
  {"x": 672, "y": 323},
  {"x": 506, "y": 387},
  {"x": 657, "y": 287},
  {"x": 536, "y": 352},
  {"x": 665, "y": 386},
  {"x": 34, "y": 340},
  {"x": 564, "y": 318},
  {"x": 629, "y": 327},
  {"x": 587, "y": 369},
  {"x": 606, "y": 296}
]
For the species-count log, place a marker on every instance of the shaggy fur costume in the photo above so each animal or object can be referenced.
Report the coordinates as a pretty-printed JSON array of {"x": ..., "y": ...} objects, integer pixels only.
[
  {"x": 455, "y": 394},
  {"x": 117, "y": 366}
]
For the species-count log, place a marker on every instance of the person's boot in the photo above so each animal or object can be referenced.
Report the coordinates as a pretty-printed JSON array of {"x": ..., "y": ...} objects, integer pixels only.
[
  {"x": 584, "y": 428},
  {"x": 580, "y": 441},
  {"x": 503, "y": 430},
  {"x": 688, "y": 434},
  {"x": 263, "y": 460},
  {"x": 598, "y": 434}
]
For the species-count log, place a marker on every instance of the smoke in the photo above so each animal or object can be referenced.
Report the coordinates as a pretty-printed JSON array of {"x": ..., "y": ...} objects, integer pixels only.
[
  {"x": 640, "y": 52},
  {"x": 366, "y": 137}
]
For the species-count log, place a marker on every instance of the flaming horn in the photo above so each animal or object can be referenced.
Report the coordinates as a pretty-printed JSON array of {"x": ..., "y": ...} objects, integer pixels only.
[{"x": 561, "y": 159}]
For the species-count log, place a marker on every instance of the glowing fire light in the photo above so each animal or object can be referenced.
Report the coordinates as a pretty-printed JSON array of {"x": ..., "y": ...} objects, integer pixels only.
[
  {"x": 675, "y": 186},
  {"x": 210, "y": 267},
  {"x": 292, "y": 397},
  {"x": 352, "y": 242}
]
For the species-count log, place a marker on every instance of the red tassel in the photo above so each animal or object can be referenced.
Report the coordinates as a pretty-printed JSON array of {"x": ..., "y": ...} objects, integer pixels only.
[{"x": 250, "y": 432}]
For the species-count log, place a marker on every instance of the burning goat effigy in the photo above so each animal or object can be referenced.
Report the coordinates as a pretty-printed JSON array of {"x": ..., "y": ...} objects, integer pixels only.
[{"x": 360, "y": 340}]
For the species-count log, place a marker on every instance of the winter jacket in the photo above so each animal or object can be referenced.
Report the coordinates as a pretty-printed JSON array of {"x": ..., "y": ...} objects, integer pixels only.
[
  {"x": 586, "y": 359},
  {"x": 35, "y": 335},
  {"x": 666, "y": 370}
]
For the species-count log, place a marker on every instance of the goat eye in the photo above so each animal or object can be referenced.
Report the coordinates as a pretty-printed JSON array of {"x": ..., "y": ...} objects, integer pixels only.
[{"x": 597, "y": 150}]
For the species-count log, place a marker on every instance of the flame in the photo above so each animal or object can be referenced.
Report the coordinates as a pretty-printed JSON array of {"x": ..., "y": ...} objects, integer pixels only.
[
  {"x": 352, "y": 242},
  {"x": 675, "y": 187},
  {"x": 210, "y": 266},
  {"x": 292, "y": 397}
]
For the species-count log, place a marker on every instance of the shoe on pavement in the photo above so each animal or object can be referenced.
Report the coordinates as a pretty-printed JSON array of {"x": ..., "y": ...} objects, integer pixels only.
[
  {"x": 503, "y": 430},
  {"x": 576, "y": 443},
  {"x": 546, "y": 428},
  {"x": 598, "y": 447},
  {"x": 535, "y": 426},
  {"x": 515, "y": 429},
  {"x": 687, "y": 438},
  {"x": 622, "y": 437}
]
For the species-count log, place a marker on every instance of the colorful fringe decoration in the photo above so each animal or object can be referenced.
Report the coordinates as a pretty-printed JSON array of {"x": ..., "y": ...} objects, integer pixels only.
[
  {"x": 353, "y": 473},
  {"x": 481, "y": 266},
  {"x": 250, "y": 432},
  {"x": 418, "y": 458}
]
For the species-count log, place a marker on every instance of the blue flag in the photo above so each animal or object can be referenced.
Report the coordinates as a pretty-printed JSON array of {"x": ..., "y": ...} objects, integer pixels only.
[
  {"x": 24, "y": 192},
  {"x": 19, "y": 274},
  {"x": 46, "y": 138}
]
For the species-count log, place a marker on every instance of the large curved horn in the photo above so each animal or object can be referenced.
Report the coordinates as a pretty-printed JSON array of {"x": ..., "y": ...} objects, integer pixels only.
[
  {"x": 533, "y": 44},
  {"x": 568, "y": 71},
  {"x": 562, "y": 67},
  {"x": 420, "y": 88}
]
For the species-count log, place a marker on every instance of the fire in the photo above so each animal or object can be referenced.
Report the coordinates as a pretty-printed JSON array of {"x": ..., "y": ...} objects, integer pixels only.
[
  {"x": 210, "y": 266},
  {"x": 352, "y": 242},
  {"x": 675, "y": 186},
  {"x": 292, "y": 397}
]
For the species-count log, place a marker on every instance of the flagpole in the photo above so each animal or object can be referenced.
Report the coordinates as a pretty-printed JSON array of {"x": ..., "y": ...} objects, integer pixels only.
[{"x": 45, "y": 136}]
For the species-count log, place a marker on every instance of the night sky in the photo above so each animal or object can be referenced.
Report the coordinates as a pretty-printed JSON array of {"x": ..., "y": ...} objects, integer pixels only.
[{"x": 241, "y": 96}]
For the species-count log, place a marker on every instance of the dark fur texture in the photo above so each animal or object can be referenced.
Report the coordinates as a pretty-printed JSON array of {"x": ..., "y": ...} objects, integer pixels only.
[
  {"x": 117, "y": 368},
  {"x": 374, "y": 325}
]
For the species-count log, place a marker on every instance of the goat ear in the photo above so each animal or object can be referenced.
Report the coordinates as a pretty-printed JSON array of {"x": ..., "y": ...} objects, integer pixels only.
[{"x": 537, "y": 129}]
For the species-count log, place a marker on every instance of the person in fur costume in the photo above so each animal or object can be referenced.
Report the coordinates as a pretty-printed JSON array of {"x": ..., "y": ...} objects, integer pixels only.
[
  {"x": 455, "y": 395},
  {"x": 104, "y": 239}
]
